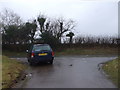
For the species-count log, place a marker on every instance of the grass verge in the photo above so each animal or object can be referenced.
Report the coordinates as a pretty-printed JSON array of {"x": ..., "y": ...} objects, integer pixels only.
[
  {"x": 112, "y": 70},
  {"x": 11, "y": 70}
]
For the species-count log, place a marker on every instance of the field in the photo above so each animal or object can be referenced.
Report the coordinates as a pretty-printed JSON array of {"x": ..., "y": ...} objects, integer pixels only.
[
  {"x": 72, "y": 51},
  {"x": 88, "y": 51}
]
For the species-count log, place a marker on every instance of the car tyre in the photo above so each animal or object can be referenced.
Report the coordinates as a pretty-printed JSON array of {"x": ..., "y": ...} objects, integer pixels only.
[
  {"x": 28, "y": 60},
  {"x": 31, "y": 63},
  {"x": 51, "y": 62}
]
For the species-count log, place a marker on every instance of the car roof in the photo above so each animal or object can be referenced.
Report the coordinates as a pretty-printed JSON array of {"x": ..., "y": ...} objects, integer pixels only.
[{"x": 40, "y": 44}]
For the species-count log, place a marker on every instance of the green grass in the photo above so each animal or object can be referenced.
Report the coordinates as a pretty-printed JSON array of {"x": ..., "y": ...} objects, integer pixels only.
[
  {"x": 11, "y": 70},
  {"x": 13, "y": 54},
  {"x": 112, "y": 69},
  {"x": 71, "y": 51},
  {"x": 88, "y": 51}
]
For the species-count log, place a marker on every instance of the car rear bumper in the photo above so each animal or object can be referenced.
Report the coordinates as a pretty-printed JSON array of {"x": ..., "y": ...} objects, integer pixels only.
[{"x": 42, "y": 59}]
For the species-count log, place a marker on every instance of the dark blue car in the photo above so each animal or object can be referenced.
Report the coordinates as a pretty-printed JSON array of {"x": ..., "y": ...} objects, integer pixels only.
[{"x": 40, "y": 53}]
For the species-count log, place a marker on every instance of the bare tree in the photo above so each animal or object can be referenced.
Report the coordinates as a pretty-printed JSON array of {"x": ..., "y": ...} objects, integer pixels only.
[
  {"x": 8, "y": 17},
  {"x": 55, "y": 26},
  {"x": 41, "y": 20},
  {"x": 60, "y": 26}
]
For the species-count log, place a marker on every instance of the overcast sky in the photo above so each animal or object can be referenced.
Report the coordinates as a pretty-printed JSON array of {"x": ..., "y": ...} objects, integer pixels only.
[{"x": 92, "y": 17}]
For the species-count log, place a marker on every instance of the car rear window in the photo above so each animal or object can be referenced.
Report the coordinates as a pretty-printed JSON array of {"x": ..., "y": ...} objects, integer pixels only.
[{"x": 41, "y": 47}]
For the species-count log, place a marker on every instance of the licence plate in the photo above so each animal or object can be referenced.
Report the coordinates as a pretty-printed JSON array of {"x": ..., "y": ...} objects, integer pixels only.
[{"x": 42, "y": 54}]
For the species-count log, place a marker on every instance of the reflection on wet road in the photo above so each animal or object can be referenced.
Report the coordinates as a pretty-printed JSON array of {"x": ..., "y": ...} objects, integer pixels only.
[{"x": 67, "y": 72}]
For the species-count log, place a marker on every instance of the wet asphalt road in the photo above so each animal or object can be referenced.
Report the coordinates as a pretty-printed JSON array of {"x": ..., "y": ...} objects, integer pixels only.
[{"x": 67, "y": 72}]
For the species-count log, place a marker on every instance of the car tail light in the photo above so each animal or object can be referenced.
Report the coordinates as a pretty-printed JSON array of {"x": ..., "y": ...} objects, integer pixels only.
[
  {"x": 52, "y": 53},
  {"x": 32, "y": 54}
]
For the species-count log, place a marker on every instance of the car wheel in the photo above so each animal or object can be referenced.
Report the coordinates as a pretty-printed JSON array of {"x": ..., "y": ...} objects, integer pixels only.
[
  {"x": 51, "y": 62},
  {"x": 31, "y": 63},
  {"x": 28, "y": 60}
]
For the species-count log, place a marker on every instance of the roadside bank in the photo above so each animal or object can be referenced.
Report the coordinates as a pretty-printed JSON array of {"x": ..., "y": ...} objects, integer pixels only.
[
  {"x": 11, "y": 71},
  {"x": 112, "y": 68}
]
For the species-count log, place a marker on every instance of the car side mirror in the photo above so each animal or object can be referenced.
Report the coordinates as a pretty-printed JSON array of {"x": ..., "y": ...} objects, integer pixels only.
[{"x": 27, "y": 51}]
